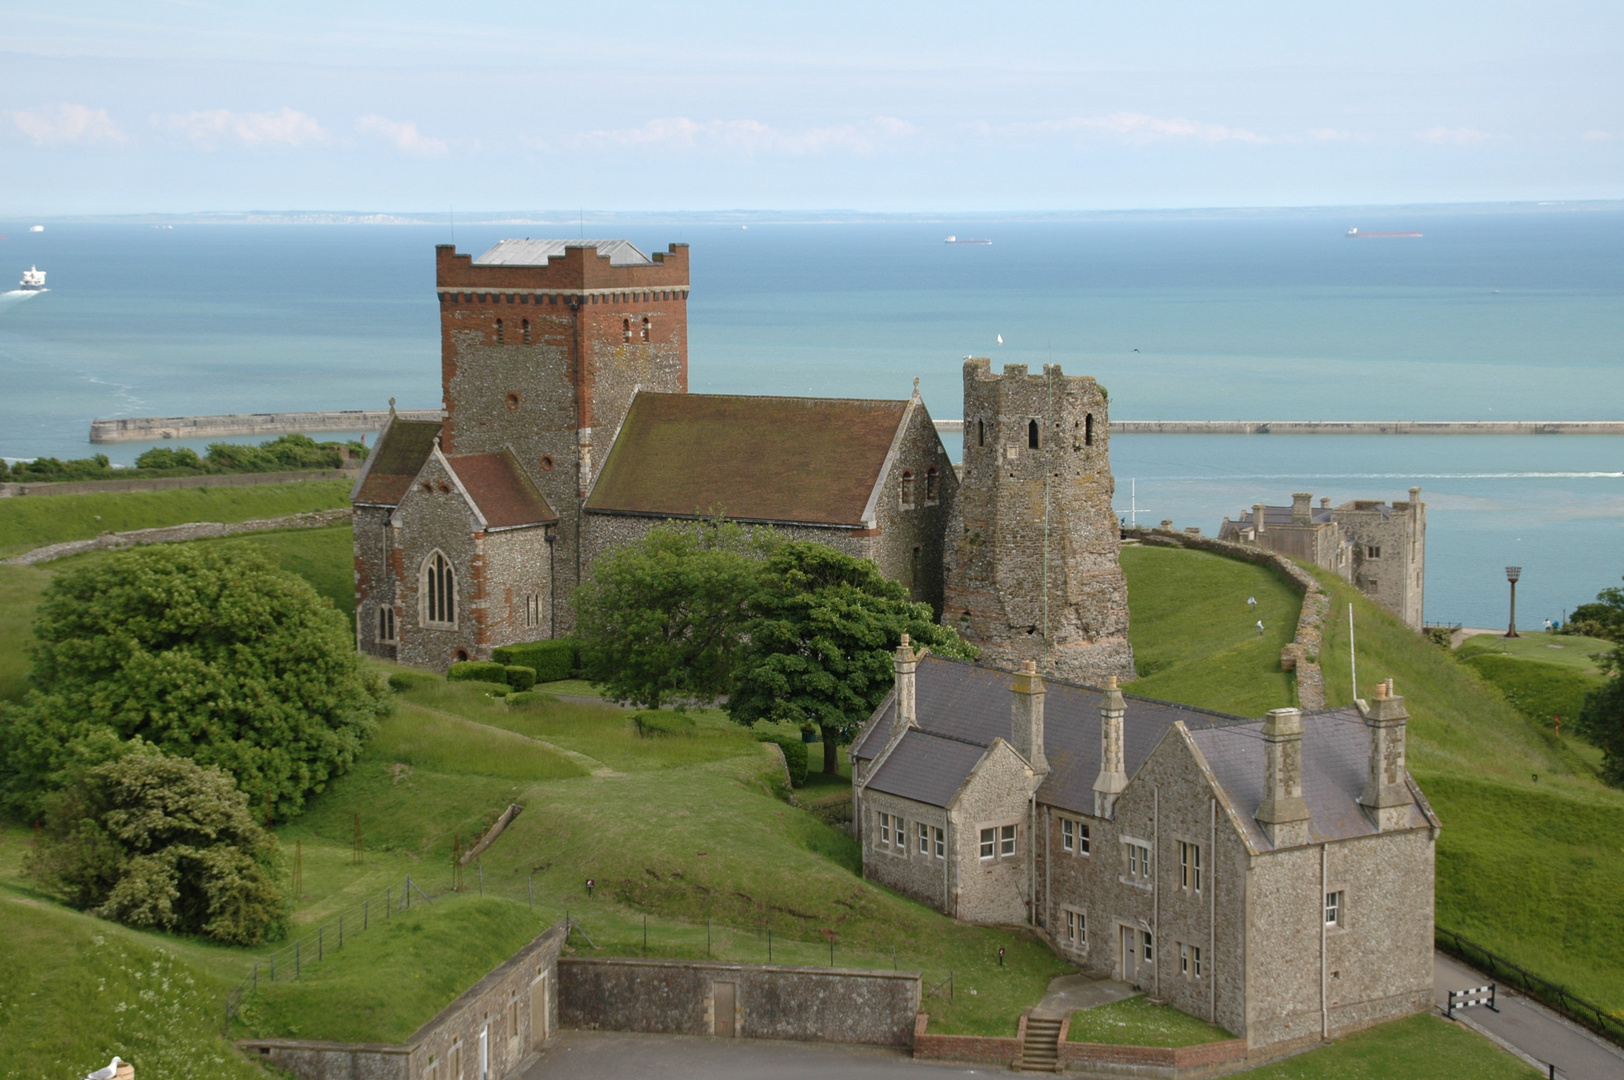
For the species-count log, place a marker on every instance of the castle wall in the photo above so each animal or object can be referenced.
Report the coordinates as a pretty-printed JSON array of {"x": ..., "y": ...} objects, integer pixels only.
[
  {"x": 1031, "y": 564},
  {"x": 1389, "y": 554}
]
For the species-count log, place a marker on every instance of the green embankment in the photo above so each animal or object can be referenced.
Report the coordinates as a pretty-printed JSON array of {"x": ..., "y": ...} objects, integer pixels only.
[
  {"x": 1137, "y": 1022},
  {"x": 1563, "y": 650},
  {"x": 1420, "y": 1048},
  {"x": 34, "y": 521}
]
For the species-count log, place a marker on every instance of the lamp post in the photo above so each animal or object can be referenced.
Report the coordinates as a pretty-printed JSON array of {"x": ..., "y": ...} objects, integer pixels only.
[{"x": 1512, "y": 574}]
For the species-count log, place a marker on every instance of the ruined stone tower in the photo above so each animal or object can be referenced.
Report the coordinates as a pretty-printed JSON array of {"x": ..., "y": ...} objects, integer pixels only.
[
  {"x": 1031, "y": 565},
  {"x": 543, "y": 344}
]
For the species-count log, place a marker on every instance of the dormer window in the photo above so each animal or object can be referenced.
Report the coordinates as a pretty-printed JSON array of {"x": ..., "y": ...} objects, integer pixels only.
[
  {"x": 1032, "y": 434},
  {"x": 907, "y": 489}
]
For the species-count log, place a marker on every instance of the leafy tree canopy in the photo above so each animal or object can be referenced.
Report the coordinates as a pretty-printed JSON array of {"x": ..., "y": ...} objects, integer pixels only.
[
  {"x": 1604, "y": 618},
  {"x": 818, "y": 647},
  {"x": 204, "y": 654},
  {"x": 1602, "y": 719},
  {"x": 163, "y": 843},
  {"x": 660, "y": 620}
]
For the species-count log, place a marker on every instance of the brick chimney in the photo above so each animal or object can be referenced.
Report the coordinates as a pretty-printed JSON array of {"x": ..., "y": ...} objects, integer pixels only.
[
  {"x": 1302, "y": 507},
  {"x": 1283, "y": 815},
  {"x": 906, "y": 663},
  {"x": 1113, "y": 778},
  {"x": 1026, "y": 716},
  {"x": 1387, "y": 796}
]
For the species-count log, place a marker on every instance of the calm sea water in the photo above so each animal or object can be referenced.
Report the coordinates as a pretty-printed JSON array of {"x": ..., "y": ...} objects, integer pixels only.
[{"x": 1259, "y": 316}]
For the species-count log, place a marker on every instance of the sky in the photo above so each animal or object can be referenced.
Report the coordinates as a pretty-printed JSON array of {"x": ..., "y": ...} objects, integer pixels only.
[{"x": 189, "y": 105}]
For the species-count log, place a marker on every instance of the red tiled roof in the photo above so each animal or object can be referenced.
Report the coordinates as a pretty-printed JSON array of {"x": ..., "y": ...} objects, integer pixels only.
[
  {"x": 501, "y": 490},
  {"x": 813, "y": 460},
  {"x": 395, "y": 462}
]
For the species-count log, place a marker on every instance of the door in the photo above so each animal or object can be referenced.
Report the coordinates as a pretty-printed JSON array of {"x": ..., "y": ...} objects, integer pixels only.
[
  {"x": 1128, "y": 950},
  {"x": 723, "y": 996},
  {"x": 538, "y": 1012}
]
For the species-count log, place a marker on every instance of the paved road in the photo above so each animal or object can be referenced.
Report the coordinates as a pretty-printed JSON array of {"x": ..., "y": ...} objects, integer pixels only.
[
  {"x": 594, "y": 1055},
  {"x": 1537, "y": 1032}
]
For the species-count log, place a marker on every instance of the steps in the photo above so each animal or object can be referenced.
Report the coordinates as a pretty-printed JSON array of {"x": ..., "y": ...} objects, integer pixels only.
[{"x": 1040, "y": 1051}]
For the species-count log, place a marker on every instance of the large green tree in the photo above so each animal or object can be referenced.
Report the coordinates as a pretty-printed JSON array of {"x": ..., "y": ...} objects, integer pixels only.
[
  {"x": 819, "y": 643},
  {"x": 205, "y": 654},
  {"x": 161, "y": 842},
  {"x": 660, "y": 620},
  {"x": 1603, "y": 618},
  {"x": 1602, "y": 719}
]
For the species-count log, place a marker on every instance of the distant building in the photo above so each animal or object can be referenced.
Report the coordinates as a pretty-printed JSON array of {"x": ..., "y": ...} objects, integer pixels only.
[
  {"x": 1274, "y": 877},
  {"x": 1380, "y": 548}
]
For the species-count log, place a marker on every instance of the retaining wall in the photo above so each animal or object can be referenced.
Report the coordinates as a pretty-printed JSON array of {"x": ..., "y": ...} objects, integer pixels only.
[
  {"x": 1302, "y": 654},
  {"x": 1089, "y": 1059},
  {"x": 166, "y": 483},
  {"x": 175, "y": 534},
  {"x": 156, "y": 428},
  {"x": 675, "y": 997}
]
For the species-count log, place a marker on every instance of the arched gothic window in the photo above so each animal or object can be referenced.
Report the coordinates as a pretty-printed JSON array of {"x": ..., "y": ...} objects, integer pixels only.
[
  {"x": 907, "y": 489},
  {"x": 1032, "y": 434},
  {"x": 439, "y": 592},
  {"x": 1088, "y": 429},
  {"x": 933, "y": 486},
  {"x": 646, "y": 325},
  {"x": 625, "y": 329},
  {"x": 499, "y": 331}
]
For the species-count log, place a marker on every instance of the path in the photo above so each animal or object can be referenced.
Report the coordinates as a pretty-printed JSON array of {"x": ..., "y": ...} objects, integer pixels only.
[
  {"x": 1534, "y": 1030},
  {"x": 1068, "y": 993}
]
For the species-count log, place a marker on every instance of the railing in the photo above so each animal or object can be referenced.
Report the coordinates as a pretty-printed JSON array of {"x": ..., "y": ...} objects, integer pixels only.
[{"x": 1558, "y": 998}]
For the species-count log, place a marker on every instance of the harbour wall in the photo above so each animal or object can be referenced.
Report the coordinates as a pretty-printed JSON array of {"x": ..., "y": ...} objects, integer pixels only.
[{"x": 157, "y": 428}]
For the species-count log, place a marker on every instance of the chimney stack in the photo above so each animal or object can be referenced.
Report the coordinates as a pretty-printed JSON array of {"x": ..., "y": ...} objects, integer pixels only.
[
  {"x": 1113, "y": 778},
  {"x": 1301, "y": 507},
  {"x": 907, "y": 662},
  {"x": 1387, "y": 796},
  {"x": 1325, "y": 502},
  {"x": 1283, "y": 815},
  {"x": 1026, "y": 716},
  {"x": 1257, "y": 510},
  {"x": 1415, "y": 495}
]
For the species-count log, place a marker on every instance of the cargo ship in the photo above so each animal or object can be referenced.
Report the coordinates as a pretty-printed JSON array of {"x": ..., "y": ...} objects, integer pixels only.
[
  {"x": 33, "y": 280},
  {"x": 966, "y": 240},
  {"x": 1355, "y": 234}
]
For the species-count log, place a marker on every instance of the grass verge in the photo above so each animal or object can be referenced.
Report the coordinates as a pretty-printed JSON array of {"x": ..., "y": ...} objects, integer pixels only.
[
  {"x": 1419, "y": 1048},
  {"x": 1136, "y": 1022}
]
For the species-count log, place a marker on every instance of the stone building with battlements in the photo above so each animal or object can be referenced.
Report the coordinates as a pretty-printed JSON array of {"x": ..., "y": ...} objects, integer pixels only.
[{"x": 1273, "y": 877}]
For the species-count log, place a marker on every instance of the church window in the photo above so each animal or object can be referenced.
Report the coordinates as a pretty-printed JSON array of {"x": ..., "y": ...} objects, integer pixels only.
[
  {"x": 885, "y": 829},
  {"x": 386, "y": 625},
  {"x": 513, "y": 401},
  {"x": 525, "y": 326},
  {"x": 646, "y": 326},
  {"x": 1088, "y": 430},
  {"x": 428, "y": 488},
  {"x": 981, "y": 433},
  {"x": 907, "y": 489},
  {"x": 499, "y": 331},
  {"x": 439, "y": 591},
  {"x": 1032, "y": 434},
  {"x": 625, "y": 329},
  {"x": 933, "y": 485}
]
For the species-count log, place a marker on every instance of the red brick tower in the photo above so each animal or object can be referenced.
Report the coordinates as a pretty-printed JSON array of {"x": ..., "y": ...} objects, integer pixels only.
[{"x": 543, "y": 344}]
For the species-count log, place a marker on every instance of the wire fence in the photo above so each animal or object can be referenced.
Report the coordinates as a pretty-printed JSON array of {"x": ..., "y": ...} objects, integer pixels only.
[{"x": 1558, "y": 998}]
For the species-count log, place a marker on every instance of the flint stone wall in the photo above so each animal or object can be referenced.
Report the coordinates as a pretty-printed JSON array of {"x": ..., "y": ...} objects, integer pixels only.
[
  {"x": 674, "y": 997},
  {"x": 178, "y": 534}
]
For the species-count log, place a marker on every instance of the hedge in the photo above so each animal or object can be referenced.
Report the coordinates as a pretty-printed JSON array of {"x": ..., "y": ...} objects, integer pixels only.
[
  {"x": 519, "y": 677},
  {"x": 794, "y": 754},
  {"x": 402, "y": 681},
  {"x": 478, "y": 671},
  {"x": 664, "y": 723},
  {"x": 553, "y": 661}
]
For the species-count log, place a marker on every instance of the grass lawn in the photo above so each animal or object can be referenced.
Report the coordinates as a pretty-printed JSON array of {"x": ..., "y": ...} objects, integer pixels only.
[
  {"x": 20, "y": 589},
  {"x": 1540, "y": 692},
  {"x": 569, "y": 688},
  {"x": 1419, "y": 1048},
  {"x": 1194, "y": 639},
  {"x": 31, "y": 522},
  {"x": 1566, "y": 650},
  {"x": 1136, "y": 1022}
]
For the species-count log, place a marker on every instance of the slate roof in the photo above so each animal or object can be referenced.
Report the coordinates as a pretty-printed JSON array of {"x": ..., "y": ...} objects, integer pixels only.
[
  {"x": 529, "y": 252},
  {"x": 501, "y": 490},
  {"x": 969, "y": 704},
  {"x": 1336, "y": 763},
  {"x": 926, "y": 768},
  {"x": 769, "y": 459},
  {"x": 395, "y": 462},
  {"x": 1281, "y": 515}
]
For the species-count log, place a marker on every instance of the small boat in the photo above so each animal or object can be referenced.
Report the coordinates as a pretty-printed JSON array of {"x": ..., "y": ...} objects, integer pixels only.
[
  {"x": 36, "y": 228},
  {"x": 1355, "y": 234},
  {"x": 966, "y": 240},
  {"x": 33, "y": 280}
]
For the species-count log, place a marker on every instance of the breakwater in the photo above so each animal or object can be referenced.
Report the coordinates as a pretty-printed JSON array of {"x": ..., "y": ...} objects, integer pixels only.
[
  {"x": 158, "y": 428},
  {"x": 1348, "y": 427}
]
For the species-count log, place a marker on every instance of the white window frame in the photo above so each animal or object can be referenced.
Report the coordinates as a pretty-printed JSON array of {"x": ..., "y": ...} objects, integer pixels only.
[
  {"x": 1136, "y": 861},
  {"x": 1336, "y": 907},
  {"x": 1195, "y": 960},
  {"x": 989, "y": 843},
  {"x": 1184, "y": 960},
  {"x": 432, "y": 596},
  {"x": 1007, "y": 841},
  {"x": 1076, "y": 928},
  {"x": 924, "y": 839},
  {"x": 885, "y": 829},
  {"x": 1074, "y": 837},
  {"x": 1147, "y": 946},
  {"x": 1189, "y": 866},
  {"x": 940, "y": 836}
]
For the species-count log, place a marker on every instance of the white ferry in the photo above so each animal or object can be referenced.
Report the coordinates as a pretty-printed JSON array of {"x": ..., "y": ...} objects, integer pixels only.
[
  {"x": 36, "y": 228},
  {"x": 33, "y": 280},
  {"x": 966, "y": 240}
]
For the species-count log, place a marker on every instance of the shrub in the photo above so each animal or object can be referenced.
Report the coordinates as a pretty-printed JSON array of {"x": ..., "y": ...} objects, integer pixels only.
[
  {"x": 520, "y": 677},
  {"x": 650, "y": 724},
  {"x": 165, "y": 843},
  {"x": 402, "y": 681},
  {"x": 478, "y": 671},
  {"x": 552, "y": 661},
  {"x": 529, "y": 699},
  {"x": 169, "y": 457},
  {"x": 794, "y": 754}
]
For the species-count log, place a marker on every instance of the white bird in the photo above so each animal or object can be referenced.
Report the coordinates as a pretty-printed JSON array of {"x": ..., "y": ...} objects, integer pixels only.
[
  {"x": 107, "y": 1073},
  {"x": 1000, "y": 339}
]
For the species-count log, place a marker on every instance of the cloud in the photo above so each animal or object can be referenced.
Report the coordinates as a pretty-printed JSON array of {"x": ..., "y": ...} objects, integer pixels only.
[
  {"x": 1597, "y": 136},
  {"x": 1461, "y": 136},
  {"x": 752, "y": 136},
  {"x": 1333, "y": 135},
  {"x": 285, "y": 127},
  {"x": 67, "y": 123},
  {"x": 1142, "y": 128},
  {"x": 403, "y": 133}
]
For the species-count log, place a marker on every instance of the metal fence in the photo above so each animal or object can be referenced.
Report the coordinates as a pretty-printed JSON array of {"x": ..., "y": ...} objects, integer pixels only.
[{"x": 1608, "y": 1025}]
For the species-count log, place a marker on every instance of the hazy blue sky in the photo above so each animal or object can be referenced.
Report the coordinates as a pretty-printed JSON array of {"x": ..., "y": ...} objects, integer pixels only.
[{"x": 195, "y": 105}]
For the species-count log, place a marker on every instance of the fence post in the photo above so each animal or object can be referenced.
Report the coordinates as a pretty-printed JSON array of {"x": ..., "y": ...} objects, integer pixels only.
[
  {"x": 388, "y": 900},
  {"x": 531, "y": 889},
  {"x": 481, "y": 868},
  {"x": 366, "y": 906},
  {"x": 256, "y": 976},
  {"x": 319, "y": 931},
  {"x": 707, "y": 937},
  {"x": 406, "y": 899},
  {"x": 769, "y": 944},
  {"x": 296, "y": 964},
  {"x": 341, "y": 931},
  {"x": 645, "y": 935}
]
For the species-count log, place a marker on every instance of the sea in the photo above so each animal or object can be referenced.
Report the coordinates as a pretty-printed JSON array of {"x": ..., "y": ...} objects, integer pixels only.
[{"x": 1512, "y": 312}]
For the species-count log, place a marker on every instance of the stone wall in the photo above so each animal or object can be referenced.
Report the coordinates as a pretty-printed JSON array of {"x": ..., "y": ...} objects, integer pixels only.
[
  {"x": 177, "y": 534},
  {"x": 168, "y": 483},
  {"x": 676, "y": 997},
  {"x": 908, "y": 547},
  {"x": 1092, "y": 1059},
  {"x": 1302, "y": 654},
  {"x": 154, "y": 428}
]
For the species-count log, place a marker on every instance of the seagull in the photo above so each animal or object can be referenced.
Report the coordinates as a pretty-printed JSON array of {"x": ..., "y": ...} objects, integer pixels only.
[{"x": 107, "y": 1073}]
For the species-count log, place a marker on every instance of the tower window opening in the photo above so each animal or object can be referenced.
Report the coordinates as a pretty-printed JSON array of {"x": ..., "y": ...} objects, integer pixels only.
[
  {"x": 932, "y": 486},
  {"x": 525, "y": 326},
  {"x": 907, "y": 489},
  {"x": 1032, "y": 434},
  {"x": 981, "y": 433},
  {"x": 625, "y": 329},
  {"x": 513, "y": 401},
  {"x": 499, "y": 331},
  {"x": 645, "y": 327},
  {"x": 1088, "y": 429}
]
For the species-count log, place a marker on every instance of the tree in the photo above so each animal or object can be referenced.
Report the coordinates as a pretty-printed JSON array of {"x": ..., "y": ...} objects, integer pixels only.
[
  {"x": 203, "y": 653},
  {"x": 1604, "y": 618},
  {"x": 164, "y": 843},
  {"x": 660, "y": 619},
  {"x": 1602, "y": 719},
  {"x": 818, "y": 647}
]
